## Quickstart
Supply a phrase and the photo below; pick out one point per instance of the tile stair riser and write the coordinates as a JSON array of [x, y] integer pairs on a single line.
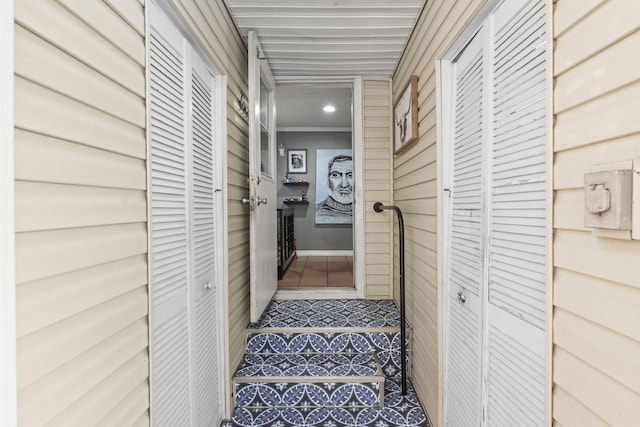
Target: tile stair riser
[[309, 379], [398, 410], [334, 394], [386, 345]]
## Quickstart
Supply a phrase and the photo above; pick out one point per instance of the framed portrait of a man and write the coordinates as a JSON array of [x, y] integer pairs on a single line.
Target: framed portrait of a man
[[334, 187], [297, 161]]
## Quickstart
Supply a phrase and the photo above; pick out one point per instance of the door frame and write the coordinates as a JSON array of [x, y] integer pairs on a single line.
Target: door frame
[[358, 291], [443, 135]]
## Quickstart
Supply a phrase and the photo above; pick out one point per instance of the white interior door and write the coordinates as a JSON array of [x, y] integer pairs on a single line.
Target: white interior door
[[262, 180], [516, 292], [184, 161], [465, 264], [495, 234]]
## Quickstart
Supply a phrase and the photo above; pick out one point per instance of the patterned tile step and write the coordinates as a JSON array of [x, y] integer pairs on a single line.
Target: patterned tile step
[[398, 410], [303, 380], [386, 345], [358, 313], [330, 394]]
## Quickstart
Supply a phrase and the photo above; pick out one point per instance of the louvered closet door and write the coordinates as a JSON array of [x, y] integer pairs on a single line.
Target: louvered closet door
[[465, 237], [516, 307], [206, 366], [170, 381], [185, 355], [495, 225]]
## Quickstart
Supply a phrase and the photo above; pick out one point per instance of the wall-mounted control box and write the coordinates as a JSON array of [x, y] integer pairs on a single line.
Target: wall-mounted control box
[[607, 197]]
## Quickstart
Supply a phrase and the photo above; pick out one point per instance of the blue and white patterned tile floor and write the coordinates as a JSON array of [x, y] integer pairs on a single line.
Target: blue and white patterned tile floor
[[386, 345], [307, 379], [308, 364], [329, 314], [398, 410], [282, 382]]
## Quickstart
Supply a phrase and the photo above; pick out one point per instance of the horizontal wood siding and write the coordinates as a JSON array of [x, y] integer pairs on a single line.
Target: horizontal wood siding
[[213, 29], [596, 374], [80, 207], [415, 188], [378, 187]]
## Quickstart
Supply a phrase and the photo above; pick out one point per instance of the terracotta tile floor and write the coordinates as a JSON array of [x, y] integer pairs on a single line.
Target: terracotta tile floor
[[319, 272]]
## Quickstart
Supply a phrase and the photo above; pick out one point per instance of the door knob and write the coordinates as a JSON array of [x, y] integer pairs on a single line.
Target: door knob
[[247, 201], [262, 201], [462, 297]]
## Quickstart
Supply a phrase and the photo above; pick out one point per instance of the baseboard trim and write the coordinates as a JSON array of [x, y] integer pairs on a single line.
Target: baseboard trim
[[325, 253]]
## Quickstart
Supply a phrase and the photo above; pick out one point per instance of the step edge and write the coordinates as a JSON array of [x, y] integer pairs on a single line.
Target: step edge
[[310, 379], [311, 330]]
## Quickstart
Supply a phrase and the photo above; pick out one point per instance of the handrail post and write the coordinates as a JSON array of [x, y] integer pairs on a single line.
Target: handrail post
[[379, 207]]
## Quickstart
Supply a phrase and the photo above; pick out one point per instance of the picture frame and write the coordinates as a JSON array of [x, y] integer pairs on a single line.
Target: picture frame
[[297, 161], [405, 117]]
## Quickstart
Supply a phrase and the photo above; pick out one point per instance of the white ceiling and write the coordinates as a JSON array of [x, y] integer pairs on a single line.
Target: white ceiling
[[328, 37], [299, 107]]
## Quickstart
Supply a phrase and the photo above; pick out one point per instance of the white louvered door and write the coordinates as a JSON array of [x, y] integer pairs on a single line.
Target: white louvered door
[[495, 224], [170, 380], [206, 368], [186, 373], [465, 263], [515, 377]]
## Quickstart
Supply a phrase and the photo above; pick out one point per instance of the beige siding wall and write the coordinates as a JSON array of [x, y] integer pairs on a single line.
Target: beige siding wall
[[80, 208], [596, 324], [81, 237], [377, 186], [213, 29], [415, 188]]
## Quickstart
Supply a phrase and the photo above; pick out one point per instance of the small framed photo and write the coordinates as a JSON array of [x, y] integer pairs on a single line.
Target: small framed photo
[[405, 117], [297, 161]]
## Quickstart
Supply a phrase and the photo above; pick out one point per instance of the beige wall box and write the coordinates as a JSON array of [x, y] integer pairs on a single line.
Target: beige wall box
[[608, 199]]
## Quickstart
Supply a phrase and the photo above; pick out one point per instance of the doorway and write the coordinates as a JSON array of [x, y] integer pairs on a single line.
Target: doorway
[[324, 254]]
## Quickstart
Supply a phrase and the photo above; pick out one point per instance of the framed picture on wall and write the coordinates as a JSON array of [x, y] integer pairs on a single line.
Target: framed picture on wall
[[405, 117], [297, 161]]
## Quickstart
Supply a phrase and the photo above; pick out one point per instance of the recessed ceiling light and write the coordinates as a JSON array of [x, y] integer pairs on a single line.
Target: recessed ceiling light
[[328, 108]]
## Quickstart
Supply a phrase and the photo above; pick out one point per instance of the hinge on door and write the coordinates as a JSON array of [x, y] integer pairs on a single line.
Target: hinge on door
[[447, 191]]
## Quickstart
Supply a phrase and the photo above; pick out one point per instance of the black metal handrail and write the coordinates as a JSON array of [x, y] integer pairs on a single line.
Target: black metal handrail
[[379, 207]]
